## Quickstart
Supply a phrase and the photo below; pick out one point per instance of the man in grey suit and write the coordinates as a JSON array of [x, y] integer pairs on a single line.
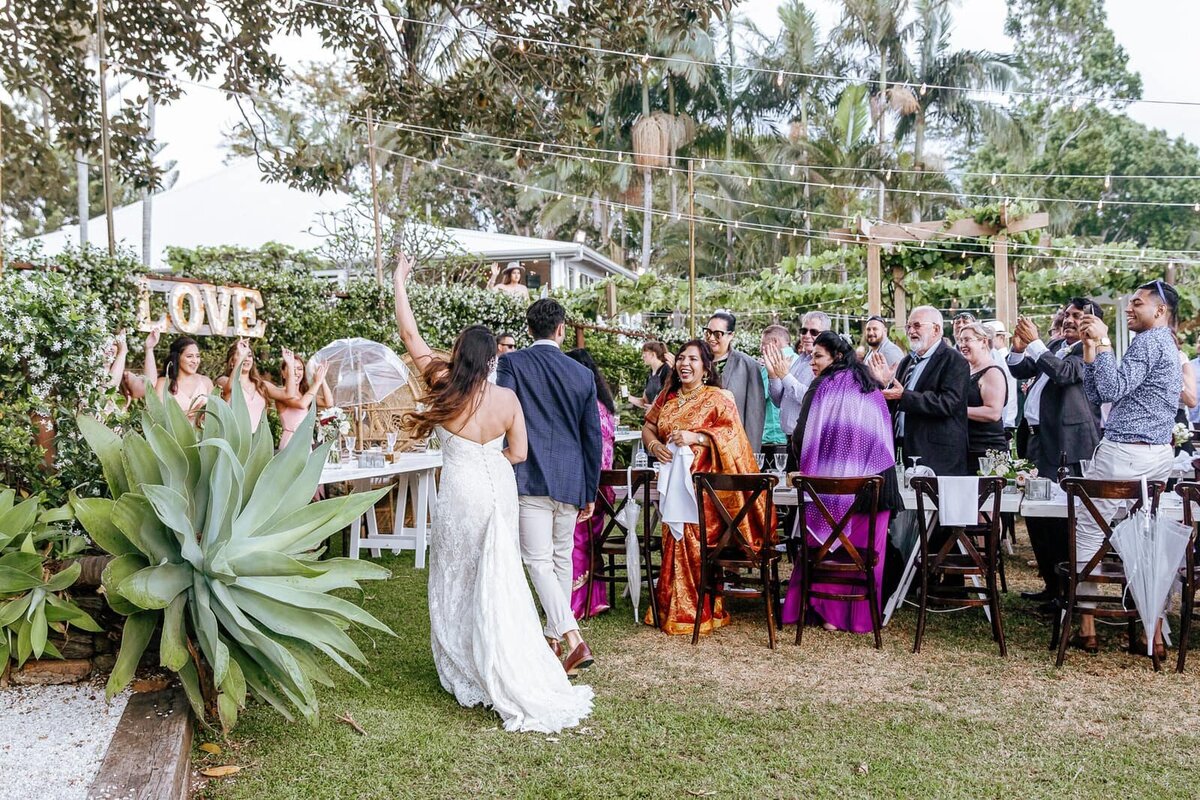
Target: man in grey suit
[[740, 374], [1061, 421], [557, 483]]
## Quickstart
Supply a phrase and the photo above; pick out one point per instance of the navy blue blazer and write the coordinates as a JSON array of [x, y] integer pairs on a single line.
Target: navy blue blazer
[[558, 396]]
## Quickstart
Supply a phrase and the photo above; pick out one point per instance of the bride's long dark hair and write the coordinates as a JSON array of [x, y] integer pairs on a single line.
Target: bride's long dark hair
[[454, 384]]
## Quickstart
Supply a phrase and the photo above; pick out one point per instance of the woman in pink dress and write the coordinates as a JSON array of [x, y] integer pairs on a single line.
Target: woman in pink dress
[[257, 390], [587, 532], [293, 410]]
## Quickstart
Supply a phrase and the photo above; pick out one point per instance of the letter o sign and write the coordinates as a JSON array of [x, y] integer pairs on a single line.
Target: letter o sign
[[191, 320]]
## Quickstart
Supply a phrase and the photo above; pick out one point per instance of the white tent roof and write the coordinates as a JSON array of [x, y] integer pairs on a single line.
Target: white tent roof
[[235, 207]]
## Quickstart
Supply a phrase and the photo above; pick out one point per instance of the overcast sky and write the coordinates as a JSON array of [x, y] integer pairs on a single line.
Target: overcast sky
[[1159, 36]]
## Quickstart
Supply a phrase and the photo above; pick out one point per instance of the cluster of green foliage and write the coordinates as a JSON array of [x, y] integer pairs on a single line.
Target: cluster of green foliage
[[34, 602]]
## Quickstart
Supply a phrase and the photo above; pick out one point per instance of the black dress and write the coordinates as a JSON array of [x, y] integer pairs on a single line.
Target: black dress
[[983, 436]]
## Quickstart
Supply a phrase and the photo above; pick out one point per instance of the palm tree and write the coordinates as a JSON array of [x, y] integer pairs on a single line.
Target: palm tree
[[945, 79], [879, 26]]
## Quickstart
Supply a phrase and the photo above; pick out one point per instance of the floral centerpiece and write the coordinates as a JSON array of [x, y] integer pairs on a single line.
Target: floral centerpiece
[[331, 423], [1181, 434], [1005, 465]]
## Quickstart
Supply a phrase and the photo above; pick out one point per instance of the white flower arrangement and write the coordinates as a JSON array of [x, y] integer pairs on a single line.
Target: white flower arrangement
[[1181, 434], [1006, 465], [331, 423]]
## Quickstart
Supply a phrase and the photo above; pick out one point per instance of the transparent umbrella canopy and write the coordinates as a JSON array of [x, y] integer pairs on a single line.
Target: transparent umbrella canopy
[[361, 371]]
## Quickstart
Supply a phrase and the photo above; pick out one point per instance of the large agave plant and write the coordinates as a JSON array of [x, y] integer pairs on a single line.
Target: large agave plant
[[216, 539]]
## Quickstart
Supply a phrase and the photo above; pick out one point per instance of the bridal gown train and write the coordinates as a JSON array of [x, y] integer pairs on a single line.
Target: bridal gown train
[[486, 633]]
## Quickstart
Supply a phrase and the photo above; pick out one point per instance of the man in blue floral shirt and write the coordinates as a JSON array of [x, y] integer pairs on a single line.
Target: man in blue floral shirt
[[1144, 391]]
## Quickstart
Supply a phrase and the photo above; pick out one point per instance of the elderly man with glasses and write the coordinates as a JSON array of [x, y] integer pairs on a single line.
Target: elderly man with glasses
[[740, 374], [927, 392]]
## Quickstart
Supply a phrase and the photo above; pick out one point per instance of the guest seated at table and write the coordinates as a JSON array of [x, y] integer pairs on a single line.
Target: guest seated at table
[[987, 394], [694, 411], [587, 531], [181, 379], [257, 389], [293, 410], [845, 430]]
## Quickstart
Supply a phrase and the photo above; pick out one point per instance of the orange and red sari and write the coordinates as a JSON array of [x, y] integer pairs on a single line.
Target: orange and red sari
[[713, 412]]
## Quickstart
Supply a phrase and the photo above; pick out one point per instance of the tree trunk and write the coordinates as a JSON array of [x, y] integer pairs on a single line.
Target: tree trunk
[[647, 183], [671, 162], [729, 137], [918, 156], [83, 207], [147, 195], [882, 126]]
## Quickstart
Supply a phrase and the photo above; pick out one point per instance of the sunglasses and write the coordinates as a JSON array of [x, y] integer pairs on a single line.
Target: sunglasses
[[810, 331], [711, 334]]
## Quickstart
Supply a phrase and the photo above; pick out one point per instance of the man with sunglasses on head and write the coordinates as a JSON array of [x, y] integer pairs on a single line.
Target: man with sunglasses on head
[[1144, 389], [740, 374]]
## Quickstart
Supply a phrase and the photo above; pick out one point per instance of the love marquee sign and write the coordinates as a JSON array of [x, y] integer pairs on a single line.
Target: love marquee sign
[[199, 309]]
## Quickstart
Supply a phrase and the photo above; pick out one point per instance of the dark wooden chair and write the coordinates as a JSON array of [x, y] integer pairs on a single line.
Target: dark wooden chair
[[609, 556], [731, 559], [837, 560], [1103, 568], [949, 558], [1190, 574]]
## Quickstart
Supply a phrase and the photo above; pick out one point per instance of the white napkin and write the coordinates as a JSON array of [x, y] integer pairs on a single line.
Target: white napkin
[[676, 494], [958, 500]]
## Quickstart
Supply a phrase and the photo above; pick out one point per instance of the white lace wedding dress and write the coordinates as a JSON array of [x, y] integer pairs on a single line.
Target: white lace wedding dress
[[486, 633]]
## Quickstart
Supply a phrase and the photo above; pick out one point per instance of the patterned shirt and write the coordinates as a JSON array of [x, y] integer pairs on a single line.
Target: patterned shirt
[[1143, 389]]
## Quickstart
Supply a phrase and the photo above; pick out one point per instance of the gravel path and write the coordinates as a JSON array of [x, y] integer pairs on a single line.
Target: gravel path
[[53, 738]]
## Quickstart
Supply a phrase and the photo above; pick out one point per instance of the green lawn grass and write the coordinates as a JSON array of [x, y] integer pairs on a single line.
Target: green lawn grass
[[730, 718]]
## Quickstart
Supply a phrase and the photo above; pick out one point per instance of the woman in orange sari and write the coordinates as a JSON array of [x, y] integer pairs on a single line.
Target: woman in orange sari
[[693, 410]]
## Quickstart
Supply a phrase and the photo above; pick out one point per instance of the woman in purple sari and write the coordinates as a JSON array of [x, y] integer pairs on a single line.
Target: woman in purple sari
[[844, 431], [586, 532]]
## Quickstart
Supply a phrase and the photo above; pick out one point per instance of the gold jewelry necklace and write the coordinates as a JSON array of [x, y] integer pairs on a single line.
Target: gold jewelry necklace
[[684, 394]]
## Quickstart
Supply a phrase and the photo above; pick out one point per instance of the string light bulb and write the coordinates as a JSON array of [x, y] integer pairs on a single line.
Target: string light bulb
[[646, 60], [542, 147], [779, 79], [888, 175], [750, 181], [995, 179], [1107, 182], [521, 44], [792, 170], [924, 89], [703, 163]]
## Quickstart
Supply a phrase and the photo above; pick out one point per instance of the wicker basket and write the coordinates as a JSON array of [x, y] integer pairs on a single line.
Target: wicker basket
[[381, 418]]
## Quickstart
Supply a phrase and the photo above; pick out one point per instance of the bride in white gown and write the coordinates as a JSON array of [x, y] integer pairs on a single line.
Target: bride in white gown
[[486, 633]]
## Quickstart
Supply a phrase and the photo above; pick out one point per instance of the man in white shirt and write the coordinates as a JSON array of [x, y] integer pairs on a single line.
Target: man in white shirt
[[1000, 355]]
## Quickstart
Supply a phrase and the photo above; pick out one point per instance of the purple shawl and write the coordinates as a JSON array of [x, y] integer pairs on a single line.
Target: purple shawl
[[846, 434]]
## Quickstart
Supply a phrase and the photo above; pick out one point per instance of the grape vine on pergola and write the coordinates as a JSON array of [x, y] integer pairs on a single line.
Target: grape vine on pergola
[[877, 236]]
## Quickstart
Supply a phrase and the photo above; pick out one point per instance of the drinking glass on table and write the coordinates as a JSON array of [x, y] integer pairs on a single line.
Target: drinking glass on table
[[761, 459], [780, 460], [392, 436], [350, 440]]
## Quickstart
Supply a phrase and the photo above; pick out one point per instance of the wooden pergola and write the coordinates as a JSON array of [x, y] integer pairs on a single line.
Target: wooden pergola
[[876, 237]]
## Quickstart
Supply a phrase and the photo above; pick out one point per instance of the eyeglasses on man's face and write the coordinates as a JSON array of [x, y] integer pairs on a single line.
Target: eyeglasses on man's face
[[810, 331], [709, 333]]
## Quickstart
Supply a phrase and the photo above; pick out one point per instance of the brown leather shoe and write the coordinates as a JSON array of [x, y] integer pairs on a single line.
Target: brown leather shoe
[[579, 659], [555, 647], [1088, 644]]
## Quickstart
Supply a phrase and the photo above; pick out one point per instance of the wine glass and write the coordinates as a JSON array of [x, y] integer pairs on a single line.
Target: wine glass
[[392, 436], [350, 440], [780, 460], [761, 459], [986, 463]]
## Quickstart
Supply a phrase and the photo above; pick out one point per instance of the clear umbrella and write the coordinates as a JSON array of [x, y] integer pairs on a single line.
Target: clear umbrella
[[361, 371], [1152, 548]]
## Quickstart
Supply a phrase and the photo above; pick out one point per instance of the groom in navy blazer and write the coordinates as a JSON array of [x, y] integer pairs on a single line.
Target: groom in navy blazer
[[557, 483]]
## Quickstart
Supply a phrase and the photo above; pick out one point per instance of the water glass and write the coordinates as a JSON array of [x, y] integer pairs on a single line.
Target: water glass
[[780, 462], [392, 436], [761, 459], [350, 440]]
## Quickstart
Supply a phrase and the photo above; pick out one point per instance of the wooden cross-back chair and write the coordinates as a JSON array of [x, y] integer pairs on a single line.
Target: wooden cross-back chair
[[1189, 491], [819, 563], [1104, 567], [951, 558], [609, 559], [732, 555]]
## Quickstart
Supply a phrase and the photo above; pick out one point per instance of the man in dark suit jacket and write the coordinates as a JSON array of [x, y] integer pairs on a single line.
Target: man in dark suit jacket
[[557, 483], [927, 393], [1061, 421]]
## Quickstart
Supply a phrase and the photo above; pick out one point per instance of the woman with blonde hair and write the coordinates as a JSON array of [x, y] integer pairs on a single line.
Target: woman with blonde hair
[[255, 388]]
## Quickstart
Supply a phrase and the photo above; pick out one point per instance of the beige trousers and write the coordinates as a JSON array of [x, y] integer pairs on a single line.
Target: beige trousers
[[547, 541]]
